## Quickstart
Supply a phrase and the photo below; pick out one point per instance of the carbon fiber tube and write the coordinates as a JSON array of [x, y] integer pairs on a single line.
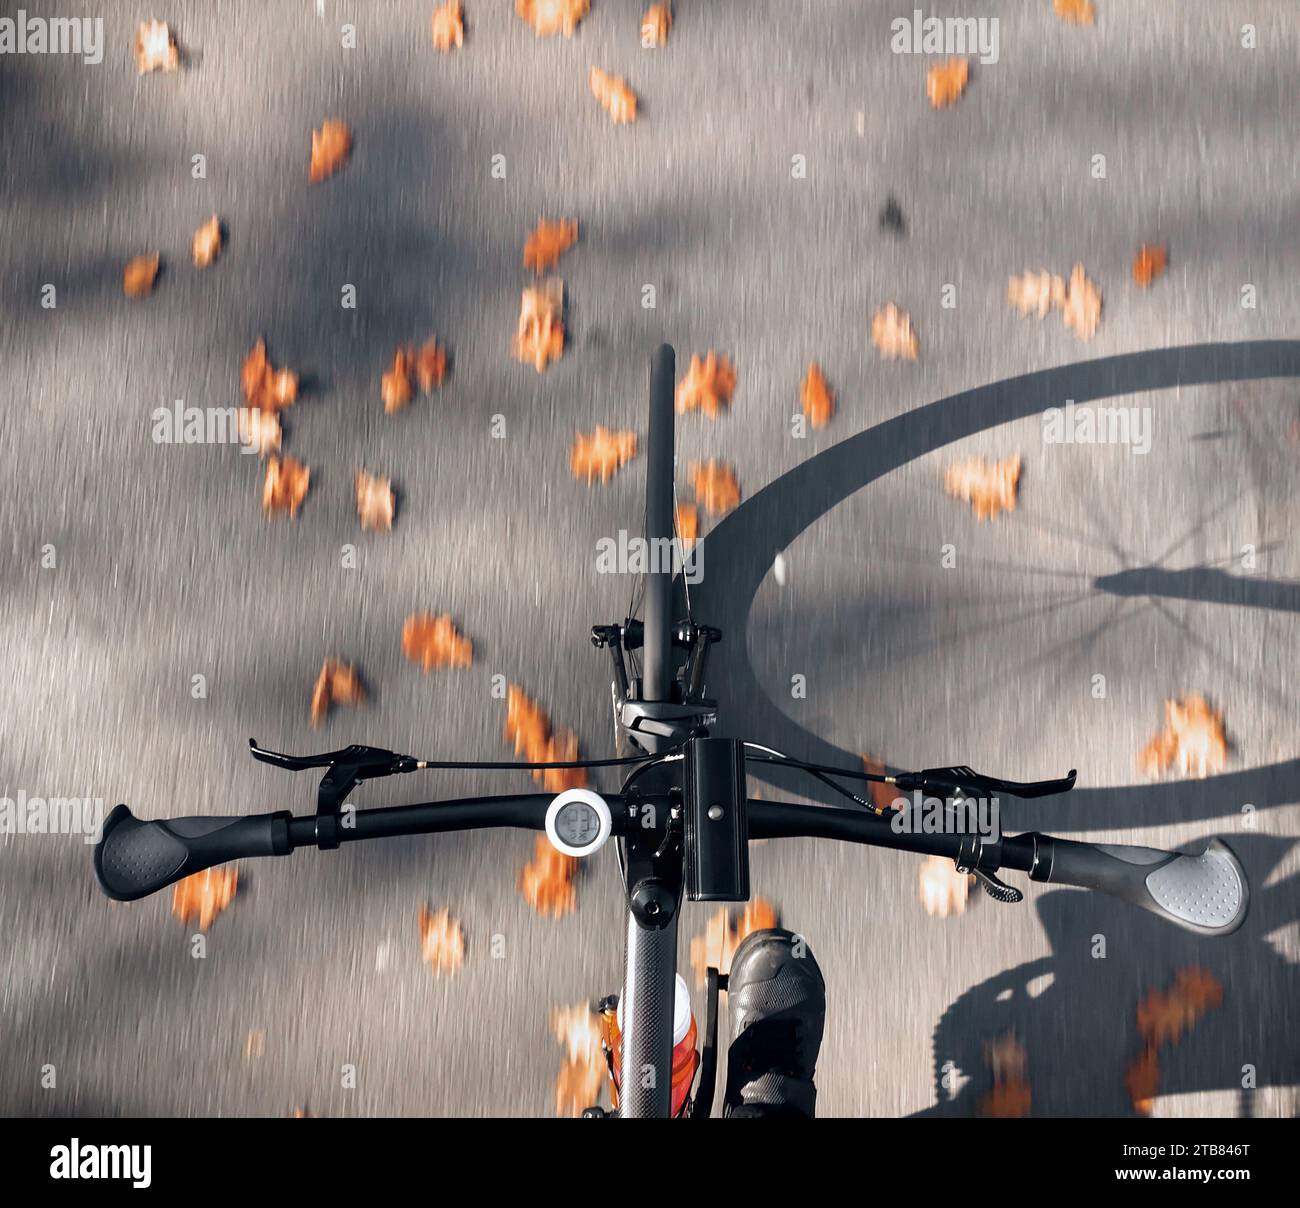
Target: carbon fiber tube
[[649, 985], [659, 525]]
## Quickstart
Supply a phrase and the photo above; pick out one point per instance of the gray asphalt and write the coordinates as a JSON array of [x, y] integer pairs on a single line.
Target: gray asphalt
[[167, 569]]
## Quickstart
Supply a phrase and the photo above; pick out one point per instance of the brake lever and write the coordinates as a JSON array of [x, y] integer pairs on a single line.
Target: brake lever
[[374, 760], [345, 769], [931, 779]]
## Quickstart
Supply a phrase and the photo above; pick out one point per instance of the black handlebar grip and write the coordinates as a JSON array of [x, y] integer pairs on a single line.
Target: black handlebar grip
[[1206, 892], [134, 858]]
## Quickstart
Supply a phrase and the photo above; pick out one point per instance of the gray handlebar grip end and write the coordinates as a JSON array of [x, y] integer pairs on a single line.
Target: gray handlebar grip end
[[1207, 893]]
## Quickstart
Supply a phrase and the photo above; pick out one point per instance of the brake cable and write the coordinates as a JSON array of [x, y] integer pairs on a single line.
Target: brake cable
[[814, 772]]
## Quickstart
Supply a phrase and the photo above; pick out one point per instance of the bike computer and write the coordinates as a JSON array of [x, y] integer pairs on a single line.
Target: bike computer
[[578, 822]]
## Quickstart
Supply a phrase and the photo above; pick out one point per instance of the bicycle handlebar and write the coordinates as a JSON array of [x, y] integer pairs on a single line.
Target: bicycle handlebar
[[1205, 892]]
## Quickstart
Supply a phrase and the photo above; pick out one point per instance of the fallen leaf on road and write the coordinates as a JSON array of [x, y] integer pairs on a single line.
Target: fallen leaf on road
[[448, 26], [715, 486], [442, 942], [329, 150], [1081, 309], [259, 430], [1149, 263], [552, 16], [584, 1070], [527, 725], [1010, 1097], [1193, 736], [892, 334], [1075, 12], [718, 944], [155, 48], [204, 895], [285, 486], [600, 454], [688, 525], [545, 245], [1036, 293], [815, 398], [375, 501], [337, 684], [882, 795], [655, 24], [943, 889], [138, 279], [561, 747], [617, 99], [546, 883], [945, 82], [255, 1044], [708, 384], [1163, 1018], [435, 642], [539, 338], [207, 243], [430, 365], [265, 387], [1142, 1080], [989, 487], [395, 385]]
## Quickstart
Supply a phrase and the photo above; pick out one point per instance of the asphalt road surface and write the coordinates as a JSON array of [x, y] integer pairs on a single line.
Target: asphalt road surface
[[166, 569]]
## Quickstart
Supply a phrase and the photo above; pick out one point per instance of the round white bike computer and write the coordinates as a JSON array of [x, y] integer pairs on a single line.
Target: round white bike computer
[[578, 822]]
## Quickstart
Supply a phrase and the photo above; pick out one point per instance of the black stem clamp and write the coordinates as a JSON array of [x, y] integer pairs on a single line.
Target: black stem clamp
[[345, 769]]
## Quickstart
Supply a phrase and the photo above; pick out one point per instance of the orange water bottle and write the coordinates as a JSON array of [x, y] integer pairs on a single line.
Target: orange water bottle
[[686, 1058]]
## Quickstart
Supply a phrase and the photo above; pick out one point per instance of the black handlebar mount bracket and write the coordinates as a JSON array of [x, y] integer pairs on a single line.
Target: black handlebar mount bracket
[[344, 770]]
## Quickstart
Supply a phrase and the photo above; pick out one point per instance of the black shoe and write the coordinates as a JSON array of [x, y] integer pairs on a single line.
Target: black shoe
[[776, 1000]]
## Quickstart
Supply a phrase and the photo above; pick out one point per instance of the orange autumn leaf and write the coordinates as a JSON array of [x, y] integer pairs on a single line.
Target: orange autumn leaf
[[139, 276], [584, 1070], [549, 17], [882, 795], [720, 940], [204, 895], [708, 384], [1081, 308], [155, 48], [601, 454], [1074, 12], [539, 338], [527, 725], [395, 385], [1199, 989], [655, 24], [329, 149], [1193, 737], [687, 524], [430, 365], [1036, 293], [435, 642], [815, 397], [615, 97], [893, 335], [546, 883], [561, 747], [375, 501], [943, 890], [545, 245], [1010, 1098], [259, 430], [1149, 263], [442, 942], [1142, 1080], [337, 684], [265, 387], [945, 82], [285, 486], [207, 243], [715, 486], [989, 487], [448, 26]]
